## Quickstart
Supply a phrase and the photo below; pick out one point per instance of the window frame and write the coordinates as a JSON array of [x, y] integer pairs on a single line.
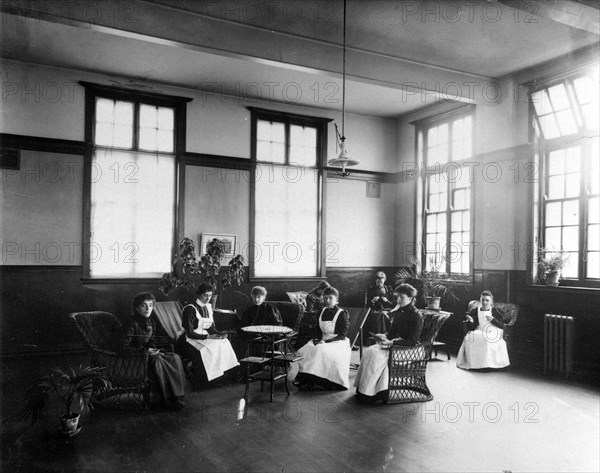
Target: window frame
[[422, 128], [320, 123], [543, 148], [179, 106]]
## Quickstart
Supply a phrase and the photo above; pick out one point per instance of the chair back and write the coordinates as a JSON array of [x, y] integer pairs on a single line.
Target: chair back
[[291, 313], [432, 323], [299, 297], [509, 312], [168, 314], [99, 330], [358, 316]]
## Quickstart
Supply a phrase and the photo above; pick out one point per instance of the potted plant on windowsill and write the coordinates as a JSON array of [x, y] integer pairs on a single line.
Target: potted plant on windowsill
[[189, 270], [72, 387], [550, 265], [432, 284]]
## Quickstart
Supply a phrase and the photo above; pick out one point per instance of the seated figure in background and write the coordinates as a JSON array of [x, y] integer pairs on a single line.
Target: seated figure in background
[[372, 378], [166, 368], [259, 313], [326, 361], [210, 351], [314, 299], [484, 345], [379, 296]]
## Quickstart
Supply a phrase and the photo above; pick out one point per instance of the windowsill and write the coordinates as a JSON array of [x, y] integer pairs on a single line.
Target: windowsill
[[573, 289], [313, 279]]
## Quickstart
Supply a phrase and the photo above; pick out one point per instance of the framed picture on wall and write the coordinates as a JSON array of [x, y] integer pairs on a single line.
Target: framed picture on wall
[[228, 240]]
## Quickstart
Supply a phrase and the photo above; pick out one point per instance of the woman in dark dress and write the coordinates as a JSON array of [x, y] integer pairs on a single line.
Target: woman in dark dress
[[372, 377], [326, 360], [314, 299], [210, 351], [165, 368]]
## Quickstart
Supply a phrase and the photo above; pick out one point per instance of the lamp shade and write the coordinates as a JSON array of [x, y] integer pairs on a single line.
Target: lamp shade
[[343, 159]]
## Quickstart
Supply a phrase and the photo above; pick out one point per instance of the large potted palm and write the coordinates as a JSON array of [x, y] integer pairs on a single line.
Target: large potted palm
[[189, 270], [432, 285], [74, 387]]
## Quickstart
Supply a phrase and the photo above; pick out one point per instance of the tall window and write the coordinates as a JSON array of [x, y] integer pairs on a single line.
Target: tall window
[[132, 183], [287, 195], [566, 115], [443, 145]]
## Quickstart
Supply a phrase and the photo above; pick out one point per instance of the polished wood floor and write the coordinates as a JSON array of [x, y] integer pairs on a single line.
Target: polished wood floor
[[495, 421]]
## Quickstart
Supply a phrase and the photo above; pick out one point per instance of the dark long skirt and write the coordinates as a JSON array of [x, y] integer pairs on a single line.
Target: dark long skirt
[[167, 369]]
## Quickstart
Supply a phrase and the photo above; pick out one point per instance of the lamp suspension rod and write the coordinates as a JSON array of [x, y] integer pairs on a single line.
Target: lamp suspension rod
[[344, 71]]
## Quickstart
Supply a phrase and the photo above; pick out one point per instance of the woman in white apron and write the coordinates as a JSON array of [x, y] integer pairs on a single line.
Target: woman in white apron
[[372, 378], [210, 351], [484, 345], [326, 360]]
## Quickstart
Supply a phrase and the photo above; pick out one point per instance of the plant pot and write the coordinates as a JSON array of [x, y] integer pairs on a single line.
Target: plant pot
[[70, 424], [433, 302], [552, 278]]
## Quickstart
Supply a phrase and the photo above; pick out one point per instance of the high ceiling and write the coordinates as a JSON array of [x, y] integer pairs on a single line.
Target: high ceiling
[[400, 55]]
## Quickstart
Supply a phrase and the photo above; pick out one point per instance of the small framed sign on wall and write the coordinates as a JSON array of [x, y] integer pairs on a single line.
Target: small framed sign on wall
[[374, 189], [228, 241], [10, 158]]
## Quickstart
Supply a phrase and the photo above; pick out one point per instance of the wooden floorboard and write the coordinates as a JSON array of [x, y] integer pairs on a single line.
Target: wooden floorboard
[[495, 421]]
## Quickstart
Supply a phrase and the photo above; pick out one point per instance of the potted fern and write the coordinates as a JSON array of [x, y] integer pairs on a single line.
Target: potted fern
[[73, 387], [551, 264], [189, 270], [431, 284]]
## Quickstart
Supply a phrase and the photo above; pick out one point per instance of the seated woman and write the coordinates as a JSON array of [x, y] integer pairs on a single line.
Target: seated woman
[[484, 345], [209, 350], [259, 313], [314, 299], [326, 360], [165, 368], [379, 296], [372, 378]]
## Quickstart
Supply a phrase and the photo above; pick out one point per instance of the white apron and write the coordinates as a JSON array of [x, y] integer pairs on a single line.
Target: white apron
[[330, 361], [373, 375], [217, 354], [484, 347]]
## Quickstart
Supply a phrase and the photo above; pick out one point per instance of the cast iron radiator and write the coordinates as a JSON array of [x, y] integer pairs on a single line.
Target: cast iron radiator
[[558, 344]]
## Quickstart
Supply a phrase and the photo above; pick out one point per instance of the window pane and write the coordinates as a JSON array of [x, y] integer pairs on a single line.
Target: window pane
[[549, 126], [570, 214], [552, 238], [431, 220], [303, 146], [586, 90], [590, 115], [286, 223], [556, 187], [593, 265], [270, 145], [148, 116], [541, 103], [570, 240], [461, 199], [441, 223], [594, 173], [571, 267], [559, 98], [593, 211], [156, 129], [132, 214], [114, 123], [553, 214], [166, 118], [593, 238], [573, 184], [566, 122], [556, 162], [457, 218]]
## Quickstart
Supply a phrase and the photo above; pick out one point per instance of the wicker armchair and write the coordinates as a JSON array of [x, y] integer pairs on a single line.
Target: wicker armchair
[[408, 365], [128, 372]]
